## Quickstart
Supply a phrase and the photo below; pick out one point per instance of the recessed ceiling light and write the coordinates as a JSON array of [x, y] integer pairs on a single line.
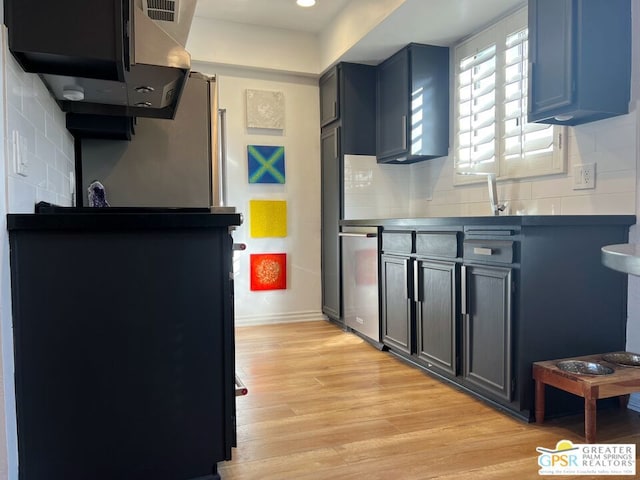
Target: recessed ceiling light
[[306, 3]]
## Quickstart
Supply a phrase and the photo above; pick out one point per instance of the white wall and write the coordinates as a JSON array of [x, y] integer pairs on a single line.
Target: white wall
[[353, 23], [237, 44], [28, 108], [301, 300]]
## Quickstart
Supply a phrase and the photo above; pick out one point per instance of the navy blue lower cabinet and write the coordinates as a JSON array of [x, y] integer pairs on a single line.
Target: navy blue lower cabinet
[[475, 301], [487, 322], [420, 291], [436, 288], [397, 315]]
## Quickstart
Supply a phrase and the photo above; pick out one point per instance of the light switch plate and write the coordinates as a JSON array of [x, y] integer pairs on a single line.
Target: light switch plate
[[20, 164]]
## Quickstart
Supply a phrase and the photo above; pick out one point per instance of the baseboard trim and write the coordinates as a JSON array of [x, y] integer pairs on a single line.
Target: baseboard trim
[[272, 318], [634, 402]]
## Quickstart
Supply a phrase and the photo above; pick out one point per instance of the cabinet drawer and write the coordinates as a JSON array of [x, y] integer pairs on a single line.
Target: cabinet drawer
[[441, 244], [499, 251], [400, 242]]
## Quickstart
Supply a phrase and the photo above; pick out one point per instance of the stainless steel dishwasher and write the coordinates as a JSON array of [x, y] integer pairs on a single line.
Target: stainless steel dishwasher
[[360, 281]]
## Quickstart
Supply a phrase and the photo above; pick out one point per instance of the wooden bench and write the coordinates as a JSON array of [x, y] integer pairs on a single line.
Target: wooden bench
[[623, 381]]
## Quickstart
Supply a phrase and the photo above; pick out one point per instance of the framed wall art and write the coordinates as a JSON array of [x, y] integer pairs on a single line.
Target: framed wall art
[[265, 109], [268, 271], [266, 164], [268, 218]]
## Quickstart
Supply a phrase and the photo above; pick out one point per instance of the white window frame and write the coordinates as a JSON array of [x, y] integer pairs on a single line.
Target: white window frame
[[554, 162]]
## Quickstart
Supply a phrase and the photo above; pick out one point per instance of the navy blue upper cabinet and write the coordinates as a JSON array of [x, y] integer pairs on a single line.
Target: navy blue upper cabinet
[[412, 117], [580, 60], [329, 97], [348, 96]]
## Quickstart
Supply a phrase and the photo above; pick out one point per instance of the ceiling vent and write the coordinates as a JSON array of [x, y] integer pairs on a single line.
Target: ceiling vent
[[162, 10]]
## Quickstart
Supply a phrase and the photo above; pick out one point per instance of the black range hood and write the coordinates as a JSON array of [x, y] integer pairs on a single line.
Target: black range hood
[[99, 58]]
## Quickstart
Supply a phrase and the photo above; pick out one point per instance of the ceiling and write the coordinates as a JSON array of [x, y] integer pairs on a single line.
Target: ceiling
[[437, 22], [273, 13]]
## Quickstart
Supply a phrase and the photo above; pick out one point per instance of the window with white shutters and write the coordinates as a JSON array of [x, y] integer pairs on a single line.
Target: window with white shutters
[[491, 130], [477, 109]]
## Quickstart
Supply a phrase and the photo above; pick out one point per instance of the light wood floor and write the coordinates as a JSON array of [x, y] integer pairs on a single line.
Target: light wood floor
[[324, 404]]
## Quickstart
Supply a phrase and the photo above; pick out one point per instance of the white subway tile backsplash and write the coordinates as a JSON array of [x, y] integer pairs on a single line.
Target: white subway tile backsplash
[[615, 182], [514, 191], [32, 110], [427, 188], [556, 186], [14, 90], [22, 196], [37, 172], [541, 206], [55, 180], [582, 141], [608, 204], [43, 195], [623, 158], [17, 121], [45, 148], [460, 195], [615, 138], [52, 130], [47, 145], [63, 163]]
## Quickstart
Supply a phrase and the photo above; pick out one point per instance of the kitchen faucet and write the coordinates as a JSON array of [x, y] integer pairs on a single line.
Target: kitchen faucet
[[496, 207]]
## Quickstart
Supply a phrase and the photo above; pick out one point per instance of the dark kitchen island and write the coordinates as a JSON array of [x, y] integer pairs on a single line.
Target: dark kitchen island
[[124, 343]]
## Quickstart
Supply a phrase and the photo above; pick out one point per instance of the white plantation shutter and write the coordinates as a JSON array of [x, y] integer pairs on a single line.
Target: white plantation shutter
[[491, 130], [515, 95], [527, 148], [477, 109]]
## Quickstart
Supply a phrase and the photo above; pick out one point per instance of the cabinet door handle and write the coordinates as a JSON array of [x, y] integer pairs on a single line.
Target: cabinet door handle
[[482, 251], [358, 235], [416, 279], [335, 109], [463, 290], [407, 293], [241, 389], [404, 132], [530, 88]]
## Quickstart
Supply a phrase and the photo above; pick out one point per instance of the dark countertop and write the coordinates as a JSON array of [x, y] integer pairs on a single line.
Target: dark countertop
[[133, 219], [518, 220]]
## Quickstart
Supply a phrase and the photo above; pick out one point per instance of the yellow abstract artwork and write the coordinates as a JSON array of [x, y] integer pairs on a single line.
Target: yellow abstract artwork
[[268, 218]]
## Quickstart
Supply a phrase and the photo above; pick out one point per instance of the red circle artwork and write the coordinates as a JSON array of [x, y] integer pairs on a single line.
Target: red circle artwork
[[268, 271]]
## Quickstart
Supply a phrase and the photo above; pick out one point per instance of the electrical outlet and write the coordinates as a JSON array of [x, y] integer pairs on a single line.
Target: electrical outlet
[[584, 176]]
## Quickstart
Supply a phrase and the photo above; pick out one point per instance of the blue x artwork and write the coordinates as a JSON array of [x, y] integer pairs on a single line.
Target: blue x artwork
[[266, 164]]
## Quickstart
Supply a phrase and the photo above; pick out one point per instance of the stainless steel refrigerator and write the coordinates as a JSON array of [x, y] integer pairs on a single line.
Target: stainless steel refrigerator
[[167, 163]]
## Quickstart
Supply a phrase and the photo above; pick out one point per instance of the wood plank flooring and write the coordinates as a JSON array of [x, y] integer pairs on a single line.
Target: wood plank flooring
[[324, 404]]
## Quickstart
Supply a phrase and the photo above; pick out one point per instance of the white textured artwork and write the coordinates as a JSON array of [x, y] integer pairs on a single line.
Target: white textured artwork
[[265, 109]]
